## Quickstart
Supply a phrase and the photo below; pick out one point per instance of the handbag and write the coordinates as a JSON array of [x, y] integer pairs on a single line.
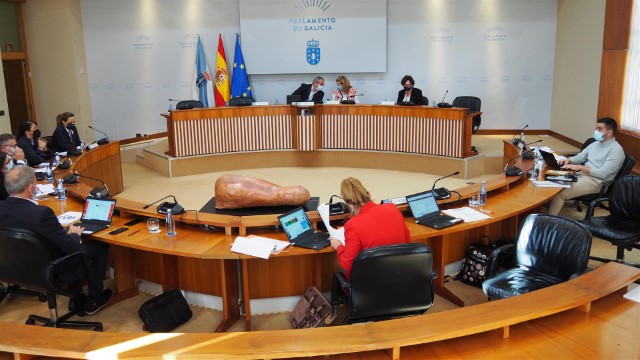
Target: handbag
[[474, 268], [312, 310], [165, 312]]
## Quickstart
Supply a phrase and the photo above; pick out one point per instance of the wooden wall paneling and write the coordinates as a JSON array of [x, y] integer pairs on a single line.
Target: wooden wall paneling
[[147, 265], [612, 75], [617, 24]]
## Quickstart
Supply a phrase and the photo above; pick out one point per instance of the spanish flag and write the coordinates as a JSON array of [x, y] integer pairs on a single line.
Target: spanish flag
[[223, 90]]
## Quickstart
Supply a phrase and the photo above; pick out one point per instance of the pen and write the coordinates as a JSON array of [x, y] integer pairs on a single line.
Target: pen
[[486, 211], [133, 232]]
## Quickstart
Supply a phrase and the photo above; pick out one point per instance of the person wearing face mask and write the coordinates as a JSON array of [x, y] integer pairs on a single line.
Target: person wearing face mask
[[20, 211], [65, 137], [344, 90], [311, 92], [409, 94], [9, 146], [370, 226], [34, 146], [7, 164], [598, 162]]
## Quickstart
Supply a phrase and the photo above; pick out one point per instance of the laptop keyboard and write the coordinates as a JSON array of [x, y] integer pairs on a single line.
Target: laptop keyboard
[[91, 228], [315, 241]]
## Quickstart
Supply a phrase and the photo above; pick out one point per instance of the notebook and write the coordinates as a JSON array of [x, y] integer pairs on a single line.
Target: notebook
[[550, 160], [297, 226], [97, 214], [426, 212]]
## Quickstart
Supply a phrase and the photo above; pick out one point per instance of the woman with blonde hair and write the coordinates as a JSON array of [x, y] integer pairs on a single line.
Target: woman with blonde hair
[[372, 225], [345, 91]]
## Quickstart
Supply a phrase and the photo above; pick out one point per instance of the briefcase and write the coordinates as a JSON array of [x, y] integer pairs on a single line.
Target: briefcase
[[165, 312], [313, 310]]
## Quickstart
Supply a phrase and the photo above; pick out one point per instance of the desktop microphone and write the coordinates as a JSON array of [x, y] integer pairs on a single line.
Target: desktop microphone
[[338, 208], [443, 104], [527, 154], [442, 193], [350, 102], [104, 140], [514, 170], [98, 192], [162, 208], [515, 140]]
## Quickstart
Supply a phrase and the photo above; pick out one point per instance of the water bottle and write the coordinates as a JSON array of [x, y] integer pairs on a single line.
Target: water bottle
[[482, 199], [170, 224], [62, 192], [81, 146], [433, 102], [170, 107], [49, 175], [56, 160]]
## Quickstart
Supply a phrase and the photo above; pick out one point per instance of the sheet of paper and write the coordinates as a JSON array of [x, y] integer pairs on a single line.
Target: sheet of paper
[[323, 209], [42, 170], [467, 214], [634, 293], [258, 246], [550, 184], [69, 217], [44, 189]]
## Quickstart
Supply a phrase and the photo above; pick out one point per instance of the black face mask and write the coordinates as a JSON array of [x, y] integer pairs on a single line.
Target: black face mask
[[37, 134], [407, 88], [71, 127]]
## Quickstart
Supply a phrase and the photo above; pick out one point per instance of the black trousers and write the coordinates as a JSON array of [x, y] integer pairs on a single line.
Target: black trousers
[[95, 254]]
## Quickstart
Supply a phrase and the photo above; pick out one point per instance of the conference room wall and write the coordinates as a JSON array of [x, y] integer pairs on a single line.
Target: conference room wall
[[54, 35], [5, 123], [576, 75], [55, 9]]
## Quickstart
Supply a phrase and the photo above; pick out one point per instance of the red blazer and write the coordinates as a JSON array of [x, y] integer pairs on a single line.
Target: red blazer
[[375, 225]]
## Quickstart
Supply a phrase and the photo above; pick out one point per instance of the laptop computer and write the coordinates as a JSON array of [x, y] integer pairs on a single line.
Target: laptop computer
[[96, 215], [293, 98], [426, 212], [299, 231], [550, 160]]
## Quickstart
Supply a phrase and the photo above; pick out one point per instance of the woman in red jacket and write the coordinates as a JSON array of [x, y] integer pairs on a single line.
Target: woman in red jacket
[[371, 225]]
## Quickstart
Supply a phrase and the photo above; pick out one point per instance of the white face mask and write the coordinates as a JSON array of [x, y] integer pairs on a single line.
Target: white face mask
[[320, 87]]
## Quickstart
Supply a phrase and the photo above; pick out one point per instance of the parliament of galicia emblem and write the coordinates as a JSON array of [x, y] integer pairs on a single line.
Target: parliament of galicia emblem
[[313, 52]]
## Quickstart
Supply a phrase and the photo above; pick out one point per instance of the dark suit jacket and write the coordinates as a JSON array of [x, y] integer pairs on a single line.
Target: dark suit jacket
[[304, 91], [41, 220], [3, 189], [32, 154], [61, 141], [416, 97]]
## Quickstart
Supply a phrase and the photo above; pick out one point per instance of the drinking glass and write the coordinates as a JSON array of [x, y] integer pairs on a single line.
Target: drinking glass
[[153, 225], [473, 200]]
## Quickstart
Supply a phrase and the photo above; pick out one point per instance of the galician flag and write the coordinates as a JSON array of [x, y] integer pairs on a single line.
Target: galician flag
[[222, 93], [202, 84], [240, 86]]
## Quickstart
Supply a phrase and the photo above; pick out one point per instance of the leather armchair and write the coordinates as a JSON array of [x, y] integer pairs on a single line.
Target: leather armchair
[[387, 282], [549, 250], [25, 261], [626, 168], [622, 226]]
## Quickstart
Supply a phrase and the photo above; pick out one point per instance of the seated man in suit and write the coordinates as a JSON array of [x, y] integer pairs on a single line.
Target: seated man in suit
[[9, 146], [20, 211], [65, 136], [311, 92]]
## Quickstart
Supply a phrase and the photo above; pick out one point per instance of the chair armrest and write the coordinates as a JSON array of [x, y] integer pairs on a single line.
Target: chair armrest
[[60, 260], [346, 284], [496, 258], [434, 275], [605, 188], [592, 206]]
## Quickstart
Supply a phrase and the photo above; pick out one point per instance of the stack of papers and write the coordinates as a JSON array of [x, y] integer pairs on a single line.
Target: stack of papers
[[258, 246], [551, 184], [467, 214], [44, 190], [69, 217], [333, 232]]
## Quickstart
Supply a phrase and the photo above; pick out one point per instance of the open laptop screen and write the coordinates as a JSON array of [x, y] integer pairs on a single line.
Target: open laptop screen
[[98, 209], [422, 204], [295, 223]]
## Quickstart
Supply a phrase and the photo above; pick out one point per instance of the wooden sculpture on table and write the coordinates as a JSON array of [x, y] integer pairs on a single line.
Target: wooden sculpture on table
[[235, 192]]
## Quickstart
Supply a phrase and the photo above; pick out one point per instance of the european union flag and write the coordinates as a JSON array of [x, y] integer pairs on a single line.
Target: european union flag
[[240, 86]]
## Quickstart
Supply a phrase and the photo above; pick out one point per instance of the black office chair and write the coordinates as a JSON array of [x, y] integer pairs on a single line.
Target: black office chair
[[12, 289], [549, 250], [189, 104], [473, 104], [25, 260], [241, 101], [425, 100], [386, 282], [605, 189], [622, 226]]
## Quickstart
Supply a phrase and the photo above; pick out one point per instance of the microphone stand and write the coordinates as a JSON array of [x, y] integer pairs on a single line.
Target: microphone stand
[[103, 140], [97, 191], [162, 208], [442, 193]]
